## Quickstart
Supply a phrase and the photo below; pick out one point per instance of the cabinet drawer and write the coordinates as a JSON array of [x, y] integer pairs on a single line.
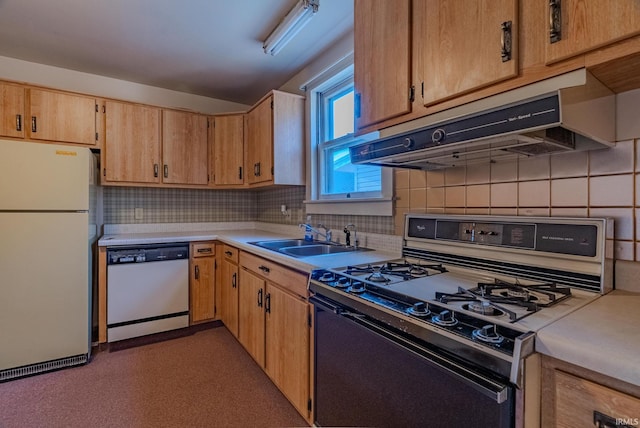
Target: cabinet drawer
[[230, 253], [288, 279], [202, 249], [578, 399]]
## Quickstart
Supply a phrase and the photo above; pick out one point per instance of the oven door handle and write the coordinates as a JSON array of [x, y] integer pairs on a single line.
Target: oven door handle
[[488, 387]]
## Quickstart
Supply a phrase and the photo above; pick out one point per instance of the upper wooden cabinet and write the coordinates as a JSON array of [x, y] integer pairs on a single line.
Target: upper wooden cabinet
[[382, 60], [274, 140], [184, 148], [11, 110], [62, 117], [579, 26], [465, 45], [226, 150], [132, 143]]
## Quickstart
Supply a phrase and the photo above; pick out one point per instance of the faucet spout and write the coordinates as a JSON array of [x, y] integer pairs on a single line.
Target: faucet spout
[[347, 230]]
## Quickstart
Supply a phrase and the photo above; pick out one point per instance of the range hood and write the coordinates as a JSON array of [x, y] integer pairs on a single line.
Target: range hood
[[568, 113]]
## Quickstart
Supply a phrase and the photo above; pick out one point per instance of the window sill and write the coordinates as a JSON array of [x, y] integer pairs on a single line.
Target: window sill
[[371, 207]]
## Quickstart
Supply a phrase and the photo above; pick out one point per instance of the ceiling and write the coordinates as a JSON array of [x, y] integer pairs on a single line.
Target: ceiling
[[206, 47]]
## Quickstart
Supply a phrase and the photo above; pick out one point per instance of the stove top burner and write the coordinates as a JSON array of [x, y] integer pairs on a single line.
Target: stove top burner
[[484, 308], [543, 294], [404, 270]]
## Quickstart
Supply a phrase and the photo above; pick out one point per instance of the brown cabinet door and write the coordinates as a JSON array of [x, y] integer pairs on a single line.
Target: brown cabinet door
[[382, 60], [184, 148], [287, 341], [251, 302], [62, 117], [259, 143], [11, 111], [229, 296], [132, 143], [462, 45], [227, 139], [202, 295], [589, 24]]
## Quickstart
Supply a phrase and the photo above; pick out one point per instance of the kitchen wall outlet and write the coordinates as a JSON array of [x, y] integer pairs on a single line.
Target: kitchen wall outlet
[[137, 213]]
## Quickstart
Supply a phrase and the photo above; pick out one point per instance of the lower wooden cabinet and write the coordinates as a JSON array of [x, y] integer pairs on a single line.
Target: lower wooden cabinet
[[229, 288], [202, 282], [575, 397], [274, 326]]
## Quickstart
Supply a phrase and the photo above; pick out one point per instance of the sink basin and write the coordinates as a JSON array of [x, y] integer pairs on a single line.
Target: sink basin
[[302, 248]]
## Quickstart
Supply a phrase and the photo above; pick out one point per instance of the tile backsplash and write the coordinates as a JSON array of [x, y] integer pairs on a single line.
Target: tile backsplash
[[599, 183]]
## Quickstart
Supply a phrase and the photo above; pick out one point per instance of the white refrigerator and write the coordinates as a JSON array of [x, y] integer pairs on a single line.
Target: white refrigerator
[[45, 245]]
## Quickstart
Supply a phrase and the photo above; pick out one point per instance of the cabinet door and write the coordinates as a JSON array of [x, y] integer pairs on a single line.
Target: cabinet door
[[462, 45], [382, 60], [62, 117], [259, 142], [184, 148], [227, 154], [585, 25], [251, 314], [11, 110], [287, 339], [229, 296], [132, 143], [202, 295]]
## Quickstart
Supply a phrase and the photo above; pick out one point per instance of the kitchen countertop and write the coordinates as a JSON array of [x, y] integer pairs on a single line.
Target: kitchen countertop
[[603, 337], [240, 238]]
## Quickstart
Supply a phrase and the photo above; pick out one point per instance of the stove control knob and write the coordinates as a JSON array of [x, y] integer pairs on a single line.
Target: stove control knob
[[343, 280], [419, 307], [357, 286], [446, 316], [489, 330]]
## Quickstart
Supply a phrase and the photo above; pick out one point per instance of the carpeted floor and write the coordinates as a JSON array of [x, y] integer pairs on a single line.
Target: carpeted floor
[[202, 380]]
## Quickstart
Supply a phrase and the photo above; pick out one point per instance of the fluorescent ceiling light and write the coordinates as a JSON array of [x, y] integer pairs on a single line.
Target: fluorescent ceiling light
[[297, 18]]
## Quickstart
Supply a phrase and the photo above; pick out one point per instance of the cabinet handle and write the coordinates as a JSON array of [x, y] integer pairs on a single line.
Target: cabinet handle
[[166, 171], [240, 172], [259, 172], [233, 280], [34, 124], [260, 298], [155, 170], [228, 253], [264, 269], [357, 105], [197, 272], [555, 21], [505, 41], [204, 250], [267, 307], [600, 420], [18, 122]]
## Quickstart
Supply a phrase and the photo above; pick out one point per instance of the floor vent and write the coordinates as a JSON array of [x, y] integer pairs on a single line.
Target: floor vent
[[48, 366]]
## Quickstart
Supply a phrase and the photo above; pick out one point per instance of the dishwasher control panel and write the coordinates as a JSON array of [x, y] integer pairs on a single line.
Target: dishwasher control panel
[[143, 254]]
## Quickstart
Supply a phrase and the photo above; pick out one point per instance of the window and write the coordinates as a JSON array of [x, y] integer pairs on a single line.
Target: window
[[334, 178]]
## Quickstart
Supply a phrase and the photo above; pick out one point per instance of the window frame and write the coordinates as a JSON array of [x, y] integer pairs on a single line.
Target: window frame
[[358, 203]]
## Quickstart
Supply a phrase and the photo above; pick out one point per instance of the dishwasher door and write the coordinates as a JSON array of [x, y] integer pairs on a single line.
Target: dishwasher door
[[147, 297]]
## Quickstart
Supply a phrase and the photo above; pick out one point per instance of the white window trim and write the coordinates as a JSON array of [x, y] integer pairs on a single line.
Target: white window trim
[[382, 206]]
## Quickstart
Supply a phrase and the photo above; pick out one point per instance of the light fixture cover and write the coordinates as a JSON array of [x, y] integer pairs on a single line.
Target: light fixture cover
[[290, 25]]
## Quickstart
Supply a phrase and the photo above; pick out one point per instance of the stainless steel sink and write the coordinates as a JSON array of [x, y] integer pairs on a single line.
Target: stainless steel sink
[[302, 248]]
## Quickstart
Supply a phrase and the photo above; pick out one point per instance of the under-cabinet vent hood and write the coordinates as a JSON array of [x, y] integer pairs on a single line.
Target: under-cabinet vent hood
[[568, 113]]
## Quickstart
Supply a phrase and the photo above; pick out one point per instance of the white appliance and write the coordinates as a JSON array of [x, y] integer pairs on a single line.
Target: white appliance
[[45, 245]]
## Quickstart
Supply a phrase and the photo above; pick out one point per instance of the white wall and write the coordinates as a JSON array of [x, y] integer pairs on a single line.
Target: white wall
[[75, 81]]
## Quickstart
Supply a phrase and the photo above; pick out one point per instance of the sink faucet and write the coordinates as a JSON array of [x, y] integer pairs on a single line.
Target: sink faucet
[[347, 231], [326, 234]]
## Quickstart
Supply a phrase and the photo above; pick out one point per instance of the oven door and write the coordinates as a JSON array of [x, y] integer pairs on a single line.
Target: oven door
[[367, 374]]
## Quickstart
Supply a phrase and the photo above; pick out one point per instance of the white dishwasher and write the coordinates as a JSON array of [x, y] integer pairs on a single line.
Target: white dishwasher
[[147, 290]]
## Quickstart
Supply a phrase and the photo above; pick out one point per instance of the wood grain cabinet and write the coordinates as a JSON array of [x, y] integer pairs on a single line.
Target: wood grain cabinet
[[579, 26], [62, 117], [275, 326], [226, 150], [132, 143], [573, 397], [465, 45], [228, 289], [202, 265], [12, 112], [274, 140], [382, 60], [184, 148]]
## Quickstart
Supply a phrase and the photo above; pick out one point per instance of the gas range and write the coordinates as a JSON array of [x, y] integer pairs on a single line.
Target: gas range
[[478, 287]]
